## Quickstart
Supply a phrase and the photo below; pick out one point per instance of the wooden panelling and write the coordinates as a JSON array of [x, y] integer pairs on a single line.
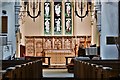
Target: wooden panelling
[[22, 51], [4, 24]]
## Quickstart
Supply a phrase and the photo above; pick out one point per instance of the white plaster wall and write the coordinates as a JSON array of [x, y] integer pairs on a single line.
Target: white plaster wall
[[109, 27], [11, 23], [22, 31], [33, 28], [83, 27], [36, 28], [94, 33]]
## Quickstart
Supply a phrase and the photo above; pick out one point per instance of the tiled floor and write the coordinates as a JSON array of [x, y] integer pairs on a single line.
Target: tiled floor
[[56, 73]]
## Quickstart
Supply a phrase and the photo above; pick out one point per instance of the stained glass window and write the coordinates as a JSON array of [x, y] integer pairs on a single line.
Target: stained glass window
[[68, 18], [47, 18], [57, 18]]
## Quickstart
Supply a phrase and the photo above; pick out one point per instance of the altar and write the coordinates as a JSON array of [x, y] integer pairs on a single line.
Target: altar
[[58, 55]]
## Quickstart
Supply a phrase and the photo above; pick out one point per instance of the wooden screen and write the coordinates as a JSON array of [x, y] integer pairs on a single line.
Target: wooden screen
[[4, 24], [35, 45]]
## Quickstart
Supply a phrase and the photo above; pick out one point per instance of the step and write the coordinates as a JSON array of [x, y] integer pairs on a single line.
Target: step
[[57, 78]]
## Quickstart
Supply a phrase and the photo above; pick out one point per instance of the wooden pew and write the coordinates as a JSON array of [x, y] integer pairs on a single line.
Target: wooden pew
[[110, 63], [96, 69], [18, 72], [26, 71], [114, 64]]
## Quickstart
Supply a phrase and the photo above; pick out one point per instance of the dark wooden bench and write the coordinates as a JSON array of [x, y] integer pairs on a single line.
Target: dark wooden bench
[[97, 69], [70, 66], [12, 63], [22, 70]]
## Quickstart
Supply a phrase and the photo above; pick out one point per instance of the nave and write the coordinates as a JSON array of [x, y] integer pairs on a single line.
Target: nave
[[88, 47]]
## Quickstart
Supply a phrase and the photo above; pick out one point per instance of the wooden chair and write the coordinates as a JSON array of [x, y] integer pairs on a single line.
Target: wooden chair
[[70, 66]]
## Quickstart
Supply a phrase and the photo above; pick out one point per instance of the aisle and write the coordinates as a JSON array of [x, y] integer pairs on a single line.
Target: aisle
[[57, 73]]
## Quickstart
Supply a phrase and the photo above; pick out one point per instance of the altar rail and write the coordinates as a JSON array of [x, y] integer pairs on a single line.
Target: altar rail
[[35, 45], [97, 69], [38, 58]]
